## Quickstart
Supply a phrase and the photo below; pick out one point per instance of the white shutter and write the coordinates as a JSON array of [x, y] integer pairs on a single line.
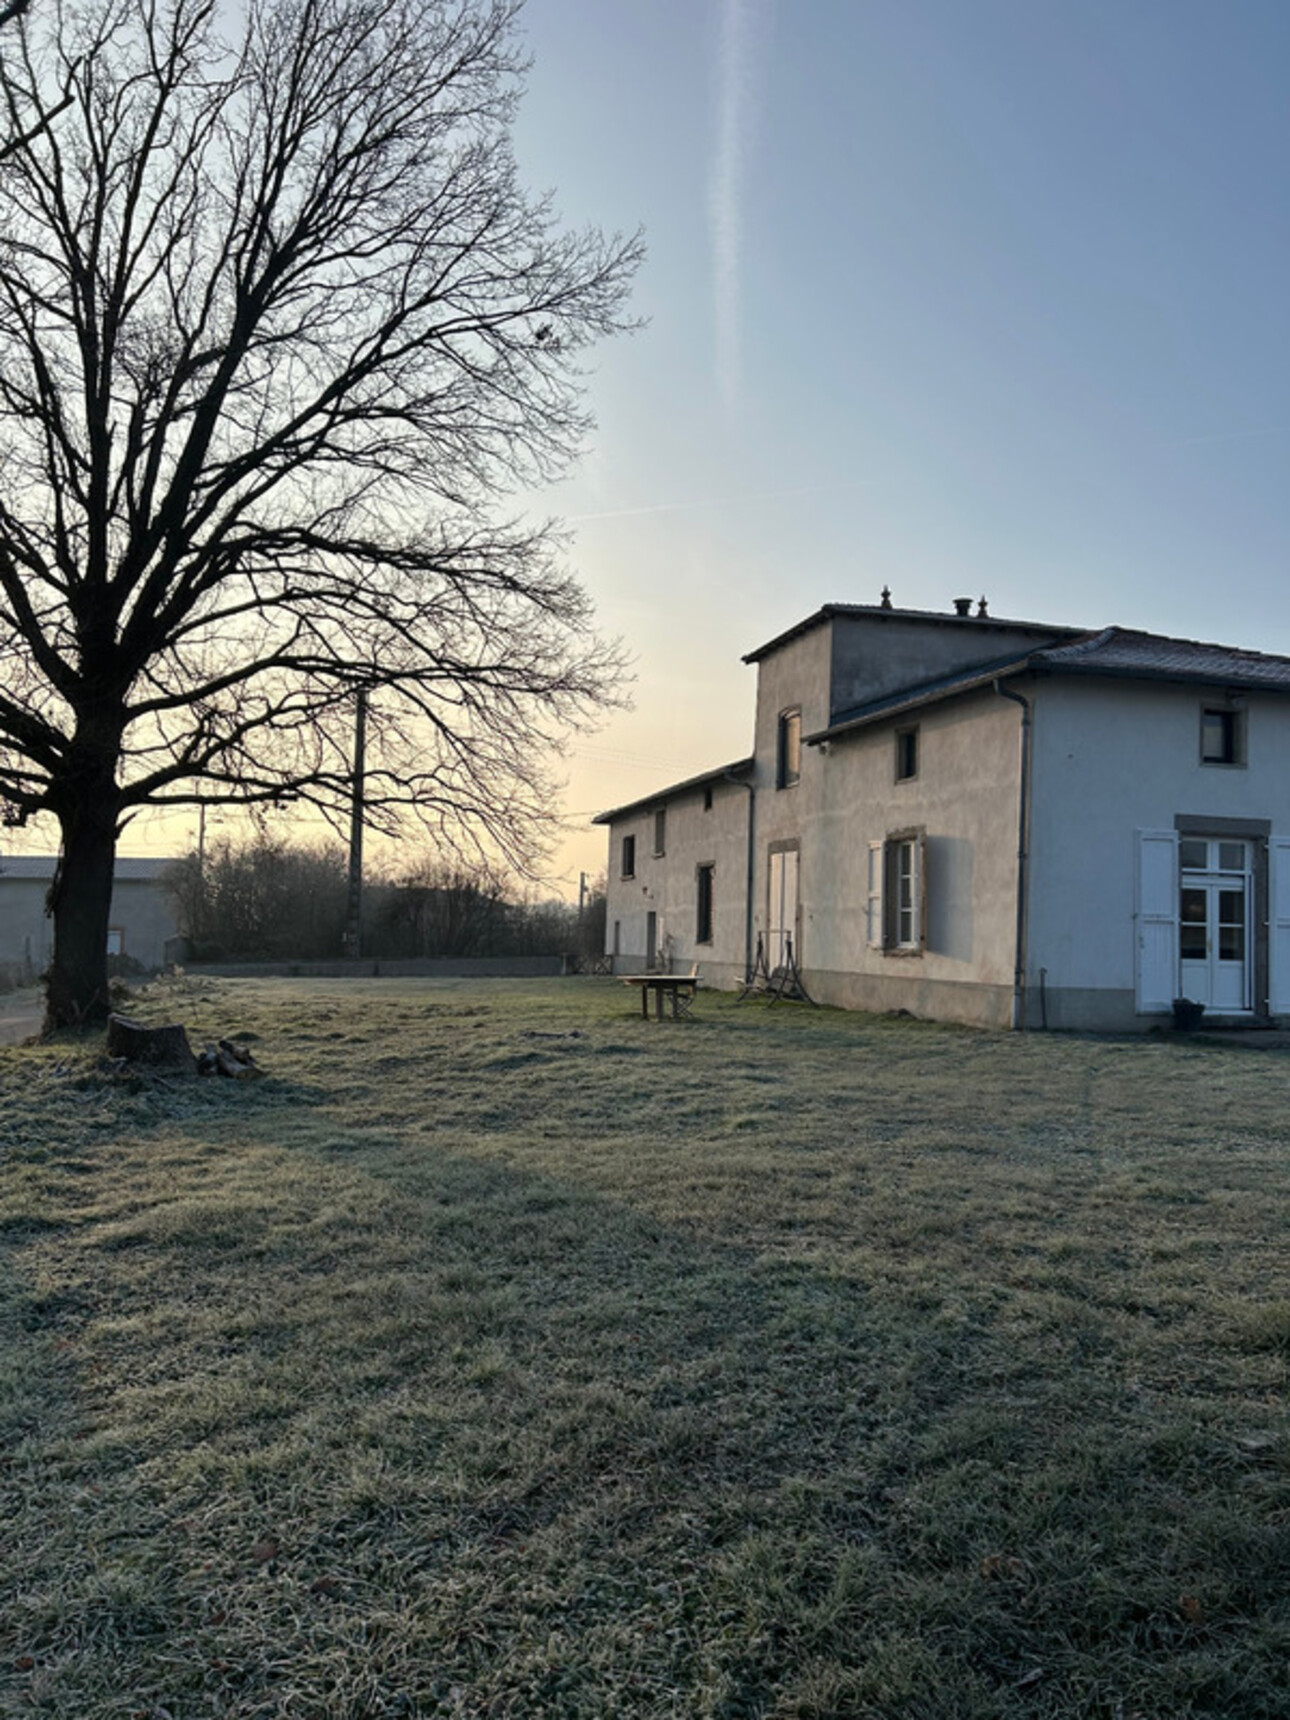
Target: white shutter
[[1279, 926], [1156, 926], [873, 922], [775, 913], [792, 870]]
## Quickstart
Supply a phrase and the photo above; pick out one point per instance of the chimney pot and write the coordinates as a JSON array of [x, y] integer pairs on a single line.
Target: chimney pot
[[963, 606], [981, 609]]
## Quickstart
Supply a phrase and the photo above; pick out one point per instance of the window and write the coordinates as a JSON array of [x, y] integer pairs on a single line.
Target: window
[[1222, 736], [896, 914], [789, 763], [707, 798], [906, 754], [660, 831], [906, 905], [629, 856], [703, 905]]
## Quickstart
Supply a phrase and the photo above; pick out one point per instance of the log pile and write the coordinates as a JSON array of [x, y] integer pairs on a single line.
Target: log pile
[[228, 1058]]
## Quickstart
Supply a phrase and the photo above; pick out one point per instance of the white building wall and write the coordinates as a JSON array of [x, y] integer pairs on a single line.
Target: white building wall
[[667, 884], [142, 917], [794, 677], [965, 799], [1112, 758]]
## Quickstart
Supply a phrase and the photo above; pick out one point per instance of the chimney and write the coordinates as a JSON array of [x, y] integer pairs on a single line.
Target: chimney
[[886, 597], [981, 610], [963, 606]]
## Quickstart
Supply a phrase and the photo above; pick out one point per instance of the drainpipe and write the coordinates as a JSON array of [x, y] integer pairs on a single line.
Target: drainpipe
[[748, 882], [1023, 831]]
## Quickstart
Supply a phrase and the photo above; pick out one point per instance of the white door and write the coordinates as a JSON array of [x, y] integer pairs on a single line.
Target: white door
[[1214, 898], [782, 917]]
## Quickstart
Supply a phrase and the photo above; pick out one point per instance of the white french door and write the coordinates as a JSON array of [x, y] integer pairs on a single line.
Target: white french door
[[781, 920], [1214, 929]]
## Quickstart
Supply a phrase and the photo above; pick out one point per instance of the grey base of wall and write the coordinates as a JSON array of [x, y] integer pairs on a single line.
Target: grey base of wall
[[929, 999], [1088, 1009], [1076, 1009]]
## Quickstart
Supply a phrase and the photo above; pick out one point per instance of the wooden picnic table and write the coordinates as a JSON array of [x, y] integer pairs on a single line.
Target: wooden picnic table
[[679, 987]]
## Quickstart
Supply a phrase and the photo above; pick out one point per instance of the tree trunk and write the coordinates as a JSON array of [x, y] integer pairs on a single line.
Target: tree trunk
[[80, 900]]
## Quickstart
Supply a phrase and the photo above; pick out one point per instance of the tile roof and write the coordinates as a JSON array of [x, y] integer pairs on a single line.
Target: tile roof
[[650, 801], [1122, 651], [1116, 651]]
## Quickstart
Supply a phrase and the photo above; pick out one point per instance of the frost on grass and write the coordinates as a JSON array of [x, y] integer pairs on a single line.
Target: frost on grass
[[503, 1354]]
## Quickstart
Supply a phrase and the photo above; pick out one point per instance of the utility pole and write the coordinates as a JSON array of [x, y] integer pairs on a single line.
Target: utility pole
[[353, 937]]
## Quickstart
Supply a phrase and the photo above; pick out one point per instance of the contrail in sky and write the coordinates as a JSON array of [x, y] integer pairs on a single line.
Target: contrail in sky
[[738, 27]]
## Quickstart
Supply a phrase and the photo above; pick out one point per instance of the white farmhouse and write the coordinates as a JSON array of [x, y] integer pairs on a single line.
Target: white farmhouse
[[985, 821]]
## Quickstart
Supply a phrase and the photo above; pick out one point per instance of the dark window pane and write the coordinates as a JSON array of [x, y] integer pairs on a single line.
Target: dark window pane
[[906, 754], [1191, 943], [1218, 737], [703, 916], [1231, 943], [790, 748], [1193, 906], [1193, 853], [1231, 856], [1231, 907]]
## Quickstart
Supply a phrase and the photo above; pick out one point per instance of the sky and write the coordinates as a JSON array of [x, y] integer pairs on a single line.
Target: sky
[[960, 299], [984, 299]]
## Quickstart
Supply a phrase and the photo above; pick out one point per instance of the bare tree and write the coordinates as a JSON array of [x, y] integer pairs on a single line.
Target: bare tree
[[279, 330]]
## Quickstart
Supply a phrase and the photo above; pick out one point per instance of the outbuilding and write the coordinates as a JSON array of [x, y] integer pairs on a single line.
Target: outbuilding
[[142, 921]]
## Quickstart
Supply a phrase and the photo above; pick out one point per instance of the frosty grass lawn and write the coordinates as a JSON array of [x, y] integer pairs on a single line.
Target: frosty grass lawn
[[501, 1354]]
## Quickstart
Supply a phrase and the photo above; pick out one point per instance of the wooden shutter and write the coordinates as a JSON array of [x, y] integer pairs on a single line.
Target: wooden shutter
[[1156, 919]]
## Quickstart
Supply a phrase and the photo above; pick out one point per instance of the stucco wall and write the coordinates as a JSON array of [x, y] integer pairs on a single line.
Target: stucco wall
[[667, 884], [881, 653], [966, 798], [141, 909], [1111, 758]]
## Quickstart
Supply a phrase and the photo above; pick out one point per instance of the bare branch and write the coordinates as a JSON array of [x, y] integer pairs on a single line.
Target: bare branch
[[279, 329]]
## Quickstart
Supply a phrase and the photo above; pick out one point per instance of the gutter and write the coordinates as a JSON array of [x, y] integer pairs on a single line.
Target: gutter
[[748, 881], [1023, 855]]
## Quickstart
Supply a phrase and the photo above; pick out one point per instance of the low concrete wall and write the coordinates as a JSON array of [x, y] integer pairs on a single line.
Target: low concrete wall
[[427, 967]]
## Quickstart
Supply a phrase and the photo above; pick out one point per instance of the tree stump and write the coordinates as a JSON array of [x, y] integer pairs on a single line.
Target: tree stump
[[162, 1048]]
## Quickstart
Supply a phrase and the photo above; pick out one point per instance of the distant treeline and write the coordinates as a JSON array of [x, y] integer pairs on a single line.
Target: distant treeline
[[266, 900]]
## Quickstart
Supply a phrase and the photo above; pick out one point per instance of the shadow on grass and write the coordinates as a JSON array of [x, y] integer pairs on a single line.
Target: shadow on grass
[[357, 1427]]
